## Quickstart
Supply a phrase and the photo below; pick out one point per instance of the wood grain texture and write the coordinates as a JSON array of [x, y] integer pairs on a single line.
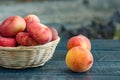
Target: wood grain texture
[[106, 65]]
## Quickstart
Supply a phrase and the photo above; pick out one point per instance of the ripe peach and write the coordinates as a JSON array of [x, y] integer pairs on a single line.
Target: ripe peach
[[7, 42], [79, 40], [54, 33], [12, 25], [31, 18], [23, 38], [79, 59], [39, 32]]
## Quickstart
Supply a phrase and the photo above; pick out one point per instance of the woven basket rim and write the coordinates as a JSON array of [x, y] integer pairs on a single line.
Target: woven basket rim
[[29, 47]]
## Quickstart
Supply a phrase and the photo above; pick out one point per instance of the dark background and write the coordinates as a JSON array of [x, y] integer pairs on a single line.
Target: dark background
[[96, 19]]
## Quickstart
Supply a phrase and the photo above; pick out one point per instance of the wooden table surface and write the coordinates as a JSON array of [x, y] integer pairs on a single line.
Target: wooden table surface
[[106, 65]]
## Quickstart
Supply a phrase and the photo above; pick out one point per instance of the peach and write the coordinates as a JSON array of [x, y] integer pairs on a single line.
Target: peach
[[12, 25], [31, 18], [79, 59], [79, 40], [24, 39], [7, 42], [39, 32], [54, 33]]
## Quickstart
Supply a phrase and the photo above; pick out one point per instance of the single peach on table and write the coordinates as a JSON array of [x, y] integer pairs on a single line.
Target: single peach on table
[[7, 42], [79, 40], [12, 25], [24, 39], [54, 33], [39, 32], [78, 59]]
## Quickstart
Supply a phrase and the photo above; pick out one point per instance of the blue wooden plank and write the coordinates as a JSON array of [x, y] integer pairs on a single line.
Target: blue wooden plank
[[96, 44], [99, 55], [106, 55], [59, 68], [60, 77]]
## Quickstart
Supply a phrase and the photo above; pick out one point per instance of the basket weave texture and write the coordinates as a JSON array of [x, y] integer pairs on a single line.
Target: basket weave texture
[[24, 57]]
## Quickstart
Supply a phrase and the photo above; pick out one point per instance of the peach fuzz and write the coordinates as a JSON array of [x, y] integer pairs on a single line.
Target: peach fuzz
[[79, 59], [39, 32], [24, 39], [54, 33], [31, 18], [7, 42], [79, 40], [12, 25]]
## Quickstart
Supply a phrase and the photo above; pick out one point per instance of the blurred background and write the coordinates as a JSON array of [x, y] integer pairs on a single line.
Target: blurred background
[[96, 19]]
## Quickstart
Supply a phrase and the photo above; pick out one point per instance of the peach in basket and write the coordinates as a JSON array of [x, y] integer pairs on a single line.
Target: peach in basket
[[25, 42], [24, 57]]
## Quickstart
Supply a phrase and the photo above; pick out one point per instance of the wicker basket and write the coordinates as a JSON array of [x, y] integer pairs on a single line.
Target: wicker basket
[[25, 57]]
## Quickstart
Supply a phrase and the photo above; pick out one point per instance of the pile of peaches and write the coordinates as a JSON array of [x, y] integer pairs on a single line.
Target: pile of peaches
[[79, 57], [27, 31]]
